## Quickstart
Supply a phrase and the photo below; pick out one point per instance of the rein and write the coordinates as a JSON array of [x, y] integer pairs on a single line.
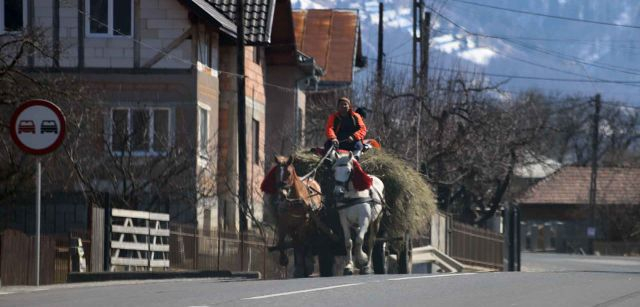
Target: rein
[[312, 173]]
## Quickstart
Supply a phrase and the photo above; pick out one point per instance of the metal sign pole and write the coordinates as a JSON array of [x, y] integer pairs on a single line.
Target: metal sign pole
[[38, 189], [24, 120]]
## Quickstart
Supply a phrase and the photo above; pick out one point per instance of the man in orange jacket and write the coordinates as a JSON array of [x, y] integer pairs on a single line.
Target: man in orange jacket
[[345, 129]]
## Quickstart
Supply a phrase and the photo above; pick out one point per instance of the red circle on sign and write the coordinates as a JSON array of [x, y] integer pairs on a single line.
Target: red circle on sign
[[44, 103]]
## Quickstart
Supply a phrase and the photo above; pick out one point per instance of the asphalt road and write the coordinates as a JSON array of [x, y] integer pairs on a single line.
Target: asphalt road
[[570, 281]]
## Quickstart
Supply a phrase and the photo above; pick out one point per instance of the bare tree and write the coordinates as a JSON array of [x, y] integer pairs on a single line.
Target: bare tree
[[138, 163], [471, 136], [18, 84]]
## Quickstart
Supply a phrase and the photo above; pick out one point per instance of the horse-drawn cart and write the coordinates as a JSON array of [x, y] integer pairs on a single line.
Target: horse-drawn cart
[[407, 203]]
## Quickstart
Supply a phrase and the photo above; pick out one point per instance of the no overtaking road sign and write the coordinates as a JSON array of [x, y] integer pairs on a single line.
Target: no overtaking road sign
[[37, 127]]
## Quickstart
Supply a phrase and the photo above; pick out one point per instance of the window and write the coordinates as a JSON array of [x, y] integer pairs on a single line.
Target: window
[[203, 130], [255, 127], [109, 17], [14, 15], [140, 130]]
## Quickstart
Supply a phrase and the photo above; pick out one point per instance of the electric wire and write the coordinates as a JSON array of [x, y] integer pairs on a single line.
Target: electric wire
[[547, 15]]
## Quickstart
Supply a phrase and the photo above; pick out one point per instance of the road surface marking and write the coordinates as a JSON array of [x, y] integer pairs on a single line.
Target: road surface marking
[[618, 299], [3, 293], [431, 276], [301, 291]]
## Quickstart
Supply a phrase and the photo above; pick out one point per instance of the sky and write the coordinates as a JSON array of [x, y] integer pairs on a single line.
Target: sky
[[570, 47]]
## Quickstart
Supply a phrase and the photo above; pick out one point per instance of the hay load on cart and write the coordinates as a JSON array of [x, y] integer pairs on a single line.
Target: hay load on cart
[[409, 202]]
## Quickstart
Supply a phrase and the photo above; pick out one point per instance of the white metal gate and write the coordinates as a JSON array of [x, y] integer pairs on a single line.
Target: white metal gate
[[140, 240]]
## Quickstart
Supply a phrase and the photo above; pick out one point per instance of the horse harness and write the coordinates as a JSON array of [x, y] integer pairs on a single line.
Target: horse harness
[[358, 200]]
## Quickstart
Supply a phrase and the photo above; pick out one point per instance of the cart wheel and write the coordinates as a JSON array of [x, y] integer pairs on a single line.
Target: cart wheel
[[326, 262], [405, 257], [379, 258]]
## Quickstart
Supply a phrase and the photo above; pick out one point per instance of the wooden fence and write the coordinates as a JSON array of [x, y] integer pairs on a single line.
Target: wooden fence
[[223, 250], [475, 246], [18, 257]]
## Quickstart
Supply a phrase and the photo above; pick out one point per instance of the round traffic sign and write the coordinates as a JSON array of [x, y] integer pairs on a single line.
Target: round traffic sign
[[37, 126]]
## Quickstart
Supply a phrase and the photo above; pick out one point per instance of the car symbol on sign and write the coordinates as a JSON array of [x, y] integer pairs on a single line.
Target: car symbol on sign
[[48, 126], [26, 126]]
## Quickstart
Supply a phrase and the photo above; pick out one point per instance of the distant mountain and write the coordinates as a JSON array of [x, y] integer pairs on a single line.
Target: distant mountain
[[528, 45]]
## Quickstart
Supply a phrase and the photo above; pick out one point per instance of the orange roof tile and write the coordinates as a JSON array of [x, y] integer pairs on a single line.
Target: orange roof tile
[[330, 37], [570, 186]]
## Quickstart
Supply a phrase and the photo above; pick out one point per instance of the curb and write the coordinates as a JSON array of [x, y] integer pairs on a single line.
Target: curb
[[75, 277]]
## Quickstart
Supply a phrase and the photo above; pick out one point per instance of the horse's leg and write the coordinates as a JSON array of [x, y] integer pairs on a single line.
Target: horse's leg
[[363, 222], [284, 259], [373, 232], [299, 261], [348, 245], [281, 229]]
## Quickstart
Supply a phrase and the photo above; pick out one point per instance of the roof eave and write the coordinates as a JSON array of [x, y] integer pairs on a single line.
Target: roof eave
[[209, 13]]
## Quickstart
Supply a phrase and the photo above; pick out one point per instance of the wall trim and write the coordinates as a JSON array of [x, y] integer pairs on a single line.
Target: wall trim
[[31, 18], [136, 33], [56, 33], [166, 50], [95, 70], [81, 34]]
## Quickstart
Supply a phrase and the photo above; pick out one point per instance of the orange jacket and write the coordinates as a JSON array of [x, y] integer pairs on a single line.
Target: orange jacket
[[333, 126]]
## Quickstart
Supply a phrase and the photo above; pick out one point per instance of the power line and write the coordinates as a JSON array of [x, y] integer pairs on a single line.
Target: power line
[[500, 53], [586, 73], [436, 68], [515, 41], [527, 61], [611, 104], [545, 51], [397, 48], [559, 40], [547, 15], [609, 67]]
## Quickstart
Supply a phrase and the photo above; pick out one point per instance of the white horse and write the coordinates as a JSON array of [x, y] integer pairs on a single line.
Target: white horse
[[359, 204]]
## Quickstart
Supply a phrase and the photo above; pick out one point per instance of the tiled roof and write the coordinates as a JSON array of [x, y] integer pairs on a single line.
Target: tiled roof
[[331, 37], [258, 17], [570, 186]]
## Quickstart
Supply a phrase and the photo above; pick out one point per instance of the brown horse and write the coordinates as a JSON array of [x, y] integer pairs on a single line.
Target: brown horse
[[294, 201]]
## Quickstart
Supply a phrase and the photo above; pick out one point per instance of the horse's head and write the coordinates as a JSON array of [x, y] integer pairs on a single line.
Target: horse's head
[[342, 168], [285, 174]]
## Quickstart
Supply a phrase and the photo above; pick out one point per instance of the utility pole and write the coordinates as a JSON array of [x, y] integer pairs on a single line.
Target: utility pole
[[414, 77], [242, 141], [591, 230], [377, 101], [379, 63], [424, 49], [425, 29], [414, 47]]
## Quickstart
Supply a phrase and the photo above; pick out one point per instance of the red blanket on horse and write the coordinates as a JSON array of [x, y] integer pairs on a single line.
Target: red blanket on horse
[[268, 184]]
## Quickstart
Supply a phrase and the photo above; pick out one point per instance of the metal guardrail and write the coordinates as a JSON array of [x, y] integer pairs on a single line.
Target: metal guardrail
[[429, 254]]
